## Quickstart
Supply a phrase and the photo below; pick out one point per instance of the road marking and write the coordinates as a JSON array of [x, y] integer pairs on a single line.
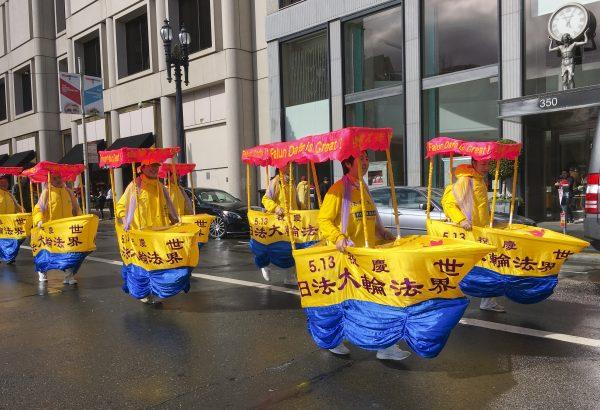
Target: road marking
[[464, 321]]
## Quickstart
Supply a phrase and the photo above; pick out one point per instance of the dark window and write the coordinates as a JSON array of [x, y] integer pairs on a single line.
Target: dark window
[[136, 43], [23, 98], [91, 58], [373, 50], [59, 10], [63, 65], [458, 35], [285, 3], [196, 17], [2, 100]]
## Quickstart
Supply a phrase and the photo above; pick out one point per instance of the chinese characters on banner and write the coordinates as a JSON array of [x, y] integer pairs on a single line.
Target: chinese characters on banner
[[203, 222], [15, 226], [268, 228], [76, 234]]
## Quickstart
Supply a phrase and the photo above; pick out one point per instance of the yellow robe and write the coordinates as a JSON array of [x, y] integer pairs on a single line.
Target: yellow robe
[[7, 203], [330, 216], [178, 197], [62, 204], [280, 197], [480, 215], [152, 208], [303, 194]]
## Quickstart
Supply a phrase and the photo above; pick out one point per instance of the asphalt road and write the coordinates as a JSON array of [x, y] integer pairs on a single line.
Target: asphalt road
[[234, 341]]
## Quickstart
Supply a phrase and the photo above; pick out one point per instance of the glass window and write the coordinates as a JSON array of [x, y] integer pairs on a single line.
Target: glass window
[[22, 87], [2, 99], [305, 85], [91, 58], [136, 43], [381, 197], [458, 35], [410, 199], [542, 68], [59, 10], [465, 111], [63, 65], [285, 3], [373, 49], [197, 19], [383, 112]]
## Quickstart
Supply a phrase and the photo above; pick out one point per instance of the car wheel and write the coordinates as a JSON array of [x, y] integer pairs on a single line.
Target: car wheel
[[596, 244], [218, 228]]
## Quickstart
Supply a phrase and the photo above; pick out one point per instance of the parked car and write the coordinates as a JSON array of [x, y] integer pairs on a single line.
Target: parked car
[[412, 203], [591, 223], [231, 213]]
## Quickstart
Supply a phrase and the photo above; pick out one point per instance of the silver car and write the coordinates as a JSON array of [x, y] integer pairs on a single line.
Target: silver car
[[412, 203]]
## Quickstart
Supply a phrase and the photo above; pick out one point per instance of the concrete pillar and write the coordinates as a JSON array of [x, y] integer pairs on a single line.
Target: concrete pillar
[[167, 122], [48, 147], [337, 85], [232, 148], [510, 21], [111, 53], [115, 130], [275, 109], [412, 91], [161, 15]]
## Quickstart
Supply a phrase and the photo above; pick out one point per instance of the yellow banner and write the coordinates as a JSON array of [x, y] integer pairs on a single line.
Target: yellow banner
[[15, 226], [203, 222], [521, 250], [268, 228], [410, 271], [170, 248], [76, 234]]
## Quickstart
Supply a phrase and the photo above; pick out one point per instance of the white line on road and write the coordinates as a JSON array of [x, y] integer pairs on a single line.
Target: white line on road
[[464, 321]]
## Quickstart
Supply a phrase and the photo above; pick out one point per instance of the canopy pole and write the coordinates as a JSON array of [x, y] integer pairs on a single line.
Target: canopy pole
[[85, 197], [31, 194], [514, 191], [495, 193], [191, 179], [135, 188], [451, 168], [111, 173], [308, 180], [287, 208], [317, 187], [393, 192], [49, 197], [22, 204], [174, 172], [248, 185], [82, 193], [291, 185], [361, 186], [429, 187]]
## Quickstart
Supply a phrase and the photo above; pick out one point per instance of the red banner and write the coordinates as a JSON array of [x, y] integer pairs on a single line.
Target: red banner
[[11, 170], [145, 156], [487, 150], [336, 145], [180, 169], [39, 173]]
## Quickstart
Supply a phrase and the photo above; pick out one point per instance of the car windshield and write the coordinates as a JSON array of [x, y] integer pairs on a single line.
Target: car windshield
[[215, 196], [408, 198]]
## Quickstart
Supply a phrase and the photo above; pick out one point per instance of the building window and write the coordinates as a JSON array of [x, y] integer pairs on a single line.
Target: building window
[[458, 35], [285, 3], [63, 65], [305, 85], [373, 50], [3, 115], [59, 13], [197, 19], [92, 64], [22, 86], [382, 112], [133, 35], [465, 111], [542, 68]]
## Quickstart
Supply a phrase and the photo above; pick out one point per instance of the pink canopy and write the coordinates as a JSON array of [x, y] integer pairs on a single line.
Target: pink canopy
[[11, 170], [39, 173], [336, 145], [180, 169], [145, 156], [488, 150]]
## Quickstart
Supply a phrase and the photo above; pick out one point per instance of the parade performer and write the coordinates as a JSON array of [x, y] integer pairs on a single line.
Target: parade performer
[[466, 204], [340, 222], [9, 246], [303, 190], [181, 201]]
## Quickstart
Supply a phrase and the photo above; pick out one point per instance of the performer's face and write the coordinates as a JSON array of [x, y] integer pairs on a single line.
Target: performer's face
[[56, 180], [4, 183], [482, 167], [364, 165], [151, 171]]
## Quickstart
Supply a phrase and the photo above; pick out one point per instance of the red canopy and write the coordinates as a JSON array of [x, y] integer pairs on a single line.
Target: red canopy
[[11, 170], [336, 145], [39, 173], [477, 150], [119, 157], [180, 169]]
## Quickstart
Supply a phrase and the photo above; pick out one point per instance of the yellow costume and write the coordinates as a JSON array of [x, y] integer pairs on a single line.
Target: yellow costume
[[180, 200], [330, 215], [275, 196], [8, 205], [303, 190], [62, 204], [467, 198], [152, 202]]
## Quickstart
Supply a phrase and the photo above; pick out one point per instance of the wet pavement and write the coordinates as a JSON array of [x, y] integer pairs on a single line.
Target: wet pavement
[[233, 342]]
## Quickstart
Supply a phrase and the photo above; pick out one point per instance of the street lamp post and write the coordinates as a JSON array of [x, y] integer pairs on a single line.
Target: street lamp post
[[177, 57]]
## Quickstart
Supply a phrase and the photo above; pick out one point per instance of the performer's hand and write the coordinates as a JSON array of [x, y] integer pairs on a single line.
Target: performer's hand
[[387, 235], [39, 224], [341, 244], [279, 211], [466, 225]]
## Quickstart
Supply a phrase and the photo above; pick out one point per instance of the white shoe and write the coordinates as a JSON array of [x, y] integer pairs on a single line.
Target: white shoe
[[42, 277], [69, 278], [491, 305], [340, 349], [147, 300], [266, 272], [290, 277], [392, 353]]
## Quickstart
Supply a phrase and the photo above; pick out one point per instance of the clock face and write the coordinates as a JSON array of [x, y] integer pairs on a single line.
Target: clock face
[[570, 19]]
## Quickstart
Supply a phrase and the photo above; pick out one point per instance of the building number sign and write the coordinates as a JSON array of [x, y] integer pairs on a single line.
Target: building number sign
[[548, 102]]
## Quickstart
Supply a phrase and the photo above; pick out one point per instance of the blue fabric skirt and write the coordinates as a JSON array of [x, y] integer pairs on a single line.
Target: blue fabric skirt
[[164, 283], [9, 248], [277, 253], [425, 326], [485, 283], [46, 261]]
